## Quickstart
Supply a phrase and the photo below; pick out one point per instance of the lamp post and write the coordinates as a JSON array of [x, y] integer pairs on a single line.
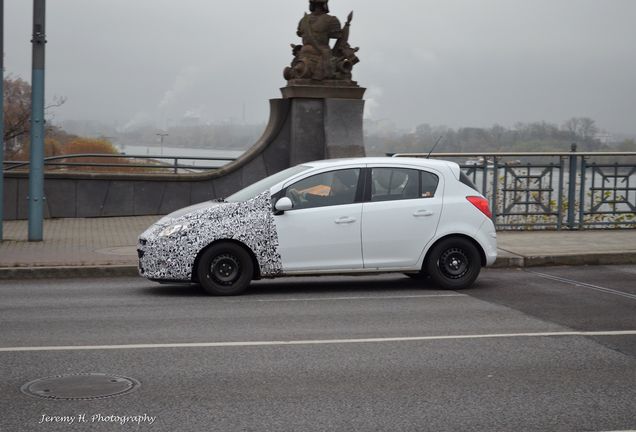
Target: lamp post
[[36, 172], [162, 136]]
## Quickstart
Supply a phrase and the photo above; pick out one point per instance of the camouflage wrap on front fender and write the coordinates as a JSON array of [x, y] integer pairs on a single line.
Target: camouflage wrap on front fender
[[250, 223]]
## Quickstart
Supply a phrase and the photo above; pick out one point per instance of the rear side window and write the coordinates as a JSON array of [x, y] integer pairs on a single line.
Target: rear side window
[[464, 179], [391, 184], [429, 184]]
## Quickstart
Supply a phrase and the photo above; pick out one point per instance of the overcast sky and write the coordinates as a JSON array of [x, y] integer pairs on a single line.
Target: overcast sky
[[450, 62]]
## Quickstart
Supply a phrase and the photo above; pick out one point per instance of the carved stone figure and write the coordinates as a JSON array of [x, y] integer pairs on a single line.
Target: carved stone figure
[[315, 61]]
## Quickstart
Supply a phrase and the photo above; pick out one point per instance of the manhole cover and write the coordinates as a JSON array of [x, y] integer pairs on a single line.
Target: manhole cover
[[80, 386]]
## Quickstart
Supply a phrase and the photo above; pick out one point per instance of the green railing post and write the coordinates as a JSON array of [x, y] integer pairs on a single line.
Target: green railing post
[[572, 188], [495, 183], [36, 174], [560, 197], [1, 118], [582, 193]]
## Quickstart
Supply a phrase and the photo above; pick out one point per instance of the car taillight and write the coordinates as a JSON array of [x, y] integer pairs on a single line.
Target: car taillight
[[482, 204]]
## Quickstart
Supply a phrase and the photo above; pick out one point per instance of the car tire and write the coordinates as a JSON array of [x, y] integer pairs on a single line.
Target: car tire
[[225, 269], [454, 263]]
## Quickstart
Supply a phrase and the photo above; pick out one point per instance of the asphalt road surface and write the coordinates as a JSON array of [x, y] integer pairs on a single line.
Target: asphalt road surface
[[546, 349]]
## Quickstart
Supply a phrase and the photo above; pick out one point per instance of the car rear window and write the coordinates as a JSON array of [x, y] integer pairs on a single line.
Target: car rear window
[[464, 179]]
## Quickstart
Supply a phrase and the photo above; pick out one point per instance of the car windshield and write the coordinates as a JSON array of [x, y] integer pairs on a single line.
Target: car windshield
[[261, 186]]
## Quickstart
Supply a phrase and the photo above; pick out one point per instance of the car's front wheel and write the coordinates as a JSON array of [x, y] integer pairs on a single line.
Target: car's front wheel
[[225, 269], [454, 263]]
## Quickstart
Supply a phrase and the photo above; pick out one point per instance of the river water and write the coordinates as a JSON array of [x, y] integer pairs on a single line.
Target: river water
[[183, 154]]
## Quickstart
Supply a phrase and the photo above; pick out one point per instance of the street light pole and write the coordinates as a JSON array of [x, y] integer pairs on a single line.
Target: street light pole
[[162, 136], [36, 172], [1, 117]]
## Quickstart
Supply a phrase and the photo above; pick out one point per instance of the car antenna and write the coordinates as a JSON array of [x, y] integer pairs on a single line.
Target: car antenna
[[435, 146]]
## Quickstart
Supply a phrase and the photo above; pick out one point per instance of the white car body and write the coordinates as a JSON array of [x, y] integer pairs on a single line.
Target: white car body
[[384, 223]]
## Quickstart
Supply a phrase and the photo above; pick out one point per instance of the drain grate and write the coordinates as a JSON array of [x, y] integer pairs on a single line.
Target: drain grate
[[86, 386]]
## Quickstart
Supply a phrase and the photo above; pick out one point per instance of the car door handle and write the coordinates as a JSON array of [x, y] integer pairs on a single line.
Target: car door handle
[[345, 220], [423, 213]]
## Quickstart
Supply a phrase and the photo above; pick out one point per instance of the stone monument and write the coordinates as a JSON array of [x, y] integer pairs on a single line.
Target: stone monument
[[326, 103]]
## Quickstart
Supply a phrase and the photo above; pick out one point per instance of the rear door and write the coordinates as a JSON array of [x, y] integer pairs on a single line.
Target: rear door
[[400, 215]]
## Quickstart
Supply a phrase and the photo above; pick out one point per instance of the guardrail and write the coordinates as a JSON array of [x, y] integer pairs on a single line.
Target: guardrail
[[571, 190], [152, 162]]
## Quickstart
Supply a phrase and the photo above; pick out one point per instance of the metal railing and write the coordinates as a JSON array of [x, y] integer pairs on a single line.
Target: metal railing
[[571, 190], [152, 163], [529, 190]]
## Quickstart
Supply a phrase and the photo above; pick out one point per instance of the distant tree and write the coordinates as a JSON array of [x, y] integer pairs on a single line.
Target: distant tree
[[424, 131], [89, 145], [588, 129], [17, 114], [627, 145], [581, 127], [52, 147]]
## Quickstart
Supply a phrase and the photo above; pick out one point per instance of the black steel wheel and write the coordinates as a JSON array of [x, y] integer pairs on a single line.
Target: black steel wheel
[[225, 269], [454, 263]]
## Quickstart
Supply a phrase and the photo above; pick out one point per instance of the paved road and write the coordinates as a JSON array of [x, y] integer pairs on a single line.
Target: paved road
[[373, 353]]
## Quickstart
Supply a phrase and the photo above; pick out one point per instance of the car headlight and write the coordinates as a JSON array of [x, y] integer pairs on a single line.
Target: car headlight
[[173, 229]]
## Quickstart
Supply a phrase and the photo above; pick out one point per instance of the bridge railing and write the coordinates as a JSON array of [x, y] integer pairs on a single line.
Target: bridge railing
[[570, 190], [118, 162]]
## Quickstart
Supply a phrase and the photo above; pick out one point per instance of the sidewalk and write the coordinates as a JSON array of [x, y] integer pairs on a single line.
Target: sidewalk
[[107, 246]]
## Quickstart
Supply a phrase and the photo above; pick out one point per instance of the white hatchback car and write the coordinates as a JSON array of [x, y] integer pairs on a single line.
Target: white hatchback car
[[420, 217]]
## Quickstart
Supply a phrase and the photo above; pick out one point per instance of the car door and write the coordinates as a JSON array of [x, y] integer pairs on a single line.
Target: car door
[[400, 215], [322, 231]]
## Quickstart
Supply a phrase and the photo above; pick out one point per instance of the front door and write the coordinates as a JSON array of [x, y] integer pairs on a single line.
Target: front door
[[323, 230]]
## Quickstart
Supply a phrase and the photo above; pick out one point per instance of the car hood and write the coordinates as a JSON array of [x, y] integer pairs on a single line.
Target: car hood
[[168, 219]]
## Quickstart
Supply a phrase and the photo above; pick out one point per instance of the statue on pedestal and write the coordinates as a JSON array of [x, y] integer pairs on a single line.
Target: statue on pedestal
[[315, 61]]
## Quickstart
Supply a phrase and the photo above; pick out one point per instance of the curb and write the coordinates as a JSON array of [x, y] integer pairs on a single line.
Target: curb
[[612, 258], [516, 261], [67, 272]]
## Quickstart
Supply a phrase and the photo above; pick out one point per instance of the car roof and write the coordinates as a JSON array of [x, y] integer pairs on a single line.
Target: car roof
[[425, 163]]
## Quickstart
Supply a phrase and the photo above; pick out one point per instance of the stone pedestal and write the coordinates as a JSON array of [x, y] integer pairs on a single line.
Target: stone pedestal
[[313, 91], [325, 129]]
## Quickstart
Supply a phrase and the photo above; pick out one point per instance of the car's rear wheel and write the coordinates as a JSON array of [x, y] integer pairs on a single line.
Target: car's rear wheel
[[225, 269], [454, 263]]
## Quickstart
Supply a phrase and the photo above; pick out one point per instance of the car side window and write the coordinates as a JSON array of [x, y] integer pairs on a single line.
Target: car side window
[[429, 184], [326, 189], [390, 184]]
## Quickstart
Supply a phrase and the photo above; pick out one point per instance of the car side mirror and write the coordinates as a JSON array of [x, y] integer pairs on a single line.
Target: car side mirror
[[282, 205]]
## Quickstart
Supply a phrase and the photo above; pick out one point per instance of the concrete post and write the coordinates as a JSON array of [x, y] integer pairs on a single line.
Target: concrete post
[[36, 172]]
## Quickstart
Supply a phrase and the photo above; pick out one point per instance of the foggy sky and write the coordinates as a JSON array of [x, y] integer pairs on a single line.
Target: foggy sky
[[442, 62]]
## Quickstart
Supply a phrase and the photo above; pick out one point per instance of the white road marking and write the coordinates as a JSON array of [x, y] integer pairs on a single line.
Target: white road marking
[[316, 342], [584, 285], [308, 299]]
